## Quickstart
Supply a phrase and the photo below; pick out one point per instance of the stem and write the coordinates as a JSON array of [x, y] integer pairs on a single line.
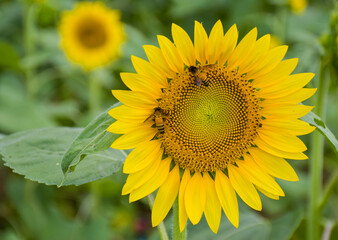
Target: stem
[[29, 70], [94, 95], [161, 228], [177, 234], [330, 186], [316, 162]]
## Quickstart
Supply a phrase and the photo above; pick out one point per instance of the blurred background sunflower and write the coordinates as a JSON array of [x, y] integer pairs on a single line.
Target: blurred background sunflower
[[41, 85]]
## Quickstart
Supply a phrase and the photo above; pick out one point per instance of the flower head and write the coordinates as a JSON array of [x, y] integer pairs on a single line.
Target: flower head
[[208, 120], [91, 34]]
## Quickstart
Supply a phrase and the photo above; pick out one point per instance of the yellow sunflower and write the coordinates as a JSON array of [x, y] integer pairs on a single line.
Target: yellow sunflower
[[91, 34], [208, 120]]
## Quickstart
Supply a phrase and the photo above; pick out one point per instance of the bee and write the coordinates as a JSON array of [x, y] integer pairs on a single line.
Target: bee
[[158, 119], [200, 74]]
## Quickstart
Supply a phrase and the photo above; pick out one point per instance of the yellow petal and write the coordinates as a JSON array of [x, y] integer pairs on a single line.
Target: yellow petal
[[281, 71], [212, 210], [227, 197], [243, 49], [153, 183], [135, 180], [294, 98], [288, 143], [268, 63], [254, 58], [257, 176], [130, 115], [155, 56], [171, 54], [182, 213], [133, 138], [287, 126], [287, 86], [275, 166], [200, 41], [184, 45], [244, 188], [229, 44], [285, 111], [136, 99], [166, 196], [215, 43], [268, 194], [147, 69], [120, 127], [142, 156], [276, 152], [138, 83], [194, 198]]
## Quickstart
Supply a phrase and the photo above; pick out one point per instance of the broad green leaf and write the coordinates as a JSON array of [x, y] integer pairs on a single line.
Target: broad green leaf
[[284, 227], [316, 121], [8, 57], [93, 138], [37, 154]]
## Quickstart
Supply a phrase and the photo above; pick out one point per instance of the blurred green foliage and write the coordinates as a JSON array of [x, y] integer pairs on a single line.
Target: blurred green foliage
[[40, 88]]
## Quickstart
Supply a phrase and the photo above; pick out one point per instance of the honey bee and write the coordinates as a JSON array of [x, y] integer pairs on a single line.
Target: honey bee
[[158, 119], [200, 74]]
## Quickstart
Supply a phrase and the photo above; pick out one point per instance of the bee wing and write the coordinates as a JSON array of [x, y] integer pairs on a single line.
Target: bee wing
[[198, 81], [148, 118]]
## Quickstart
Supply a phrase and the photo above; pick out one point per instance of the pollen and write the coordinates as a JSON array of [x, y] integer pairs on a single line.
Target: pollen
[[209, 126]]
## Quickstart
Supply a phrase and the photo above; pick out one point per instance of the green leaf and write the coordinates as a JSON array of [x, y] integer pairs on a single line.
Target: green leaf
[[316, 121], [8, 57], [93, 138], [284, 227], [37, 154]]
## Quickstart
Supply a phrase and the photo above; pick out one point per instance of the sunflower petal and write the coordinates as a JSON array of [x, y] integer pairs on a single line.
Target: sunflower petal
[[165, 197], [268, 194], [275, 166], [281, 71], [215, 43], [257, 176], [284, 111], [135, 180], [130, 115], [289, 143], [135, 99], [142, 156], [212, 209], [244, 188], [155, 56], [194, 198], [120, 127], [153, 183], [200, 40], [294, 98], [133, 138], [171, 54], [288, 126], [184, 45], [243, 49], [229, 44], [279, 153], [147, 69], [227, 197], [269, 62], [182, 213]]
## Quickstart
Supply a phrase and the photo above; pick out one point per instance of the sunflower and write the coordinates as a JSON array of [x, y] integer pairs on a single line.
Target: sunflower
[[91, 34], [210, 119]]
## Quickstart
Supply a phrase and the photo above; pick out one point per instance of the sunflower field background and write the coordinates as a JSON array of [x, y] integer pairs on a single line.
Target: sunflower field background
[[47, 99]]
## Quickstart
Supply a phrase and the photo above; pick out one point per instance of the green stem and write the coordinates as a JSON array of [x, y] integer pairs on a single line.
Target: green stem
[[28, 23], [94, 95], [328, 190], [316, 162], [161, 228], [177, 234]]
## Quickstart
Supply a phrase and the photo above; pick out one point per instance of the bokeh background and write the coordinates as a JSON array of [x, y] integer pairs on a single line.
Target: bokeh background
[[40, 87]]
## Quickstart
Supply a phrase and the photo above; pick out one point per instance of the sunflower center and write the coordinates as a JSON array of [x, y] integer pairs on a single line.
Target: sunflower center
[[91, 33], [211, 123]]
